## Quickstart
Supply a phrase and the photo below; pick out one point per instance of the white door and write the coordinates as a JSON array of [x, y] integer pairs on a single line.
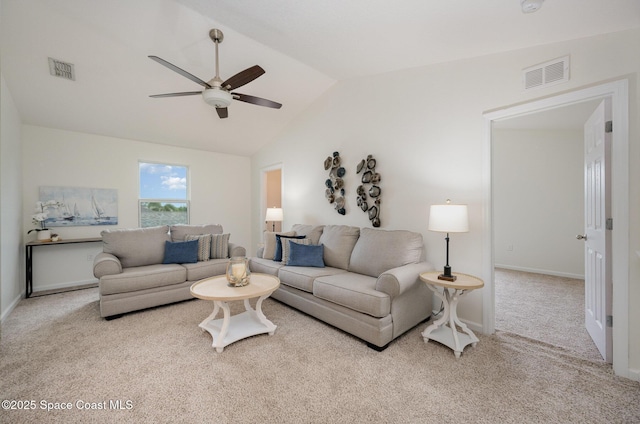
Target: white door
[[597, 238]]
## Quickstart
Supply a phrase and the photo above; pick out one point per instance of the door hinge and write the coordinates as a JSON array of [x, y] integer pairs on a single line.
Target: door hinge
[[609, 321], [608, 127], [609, 224]]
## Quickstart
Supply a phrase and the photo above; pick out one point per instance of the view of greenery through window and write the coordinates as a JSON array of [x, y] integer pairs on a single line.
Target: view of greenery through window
[[163, 195]]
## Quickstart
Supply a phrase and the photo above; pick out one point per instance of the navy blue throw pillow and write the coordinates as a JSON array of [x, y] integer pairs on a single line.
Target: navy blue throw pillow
[[180, 252], [306, 255], [278, 256]]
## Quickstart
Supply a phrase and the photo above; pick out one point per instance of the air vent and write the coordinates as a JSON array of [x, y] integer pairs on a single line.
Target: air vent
[[546, 74], [57, 68]]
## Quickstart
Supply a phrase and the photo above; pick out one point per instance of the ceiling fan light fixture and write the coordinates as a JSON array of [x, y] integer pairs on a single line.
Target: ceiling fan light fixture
[[216, 97], [217, 92], [530, 6]]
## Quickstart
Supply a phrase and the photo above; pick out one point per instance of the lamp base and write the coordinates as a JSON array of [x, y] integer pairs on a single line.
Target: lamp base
[[447, 277]]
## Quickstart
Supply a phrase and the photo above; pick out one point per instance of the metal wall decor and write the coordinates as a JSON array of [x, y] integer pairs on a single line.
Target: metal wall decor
[[369, 186], [334, 191]]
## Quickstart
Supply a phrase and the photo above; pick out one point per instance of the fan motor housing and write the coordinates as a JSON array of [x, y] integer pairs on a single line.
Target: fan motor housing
[[217, 97]]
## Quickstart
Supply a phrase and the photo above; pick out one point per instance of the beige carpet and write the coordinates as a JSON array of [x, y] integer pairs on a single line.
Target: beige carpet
[[57, 349], [544, 307]]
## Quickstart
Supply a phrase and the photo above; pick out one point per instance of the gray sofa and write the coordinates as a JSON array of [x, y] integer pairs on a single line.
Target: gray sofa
[[132, 273], [369, 286]]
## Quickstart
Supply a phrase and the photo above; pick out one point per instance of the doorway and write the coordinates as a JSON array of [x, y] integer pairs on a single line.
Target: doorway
[[618, 93], [272, 195], [538, 209]]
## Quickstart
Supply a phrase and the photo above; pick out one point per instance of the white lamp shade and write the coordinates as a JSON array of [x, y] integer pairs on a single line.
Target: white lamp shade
[[274, 214], [449, 218]]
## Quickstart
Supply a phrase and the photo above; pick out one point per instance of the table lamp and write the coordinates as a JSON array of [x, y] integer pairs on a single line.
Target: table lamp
[[274, 215], [448, 219]]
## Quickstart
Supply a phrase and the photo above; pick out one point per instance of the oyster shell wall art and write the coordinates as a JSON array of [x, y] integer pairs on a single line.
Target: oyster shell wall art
[[369, 185], [334, 185]]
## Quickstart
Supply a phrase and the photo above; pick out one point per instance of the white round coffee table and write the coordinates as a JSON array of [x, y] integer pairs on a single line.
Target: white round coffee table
[[230, 329]]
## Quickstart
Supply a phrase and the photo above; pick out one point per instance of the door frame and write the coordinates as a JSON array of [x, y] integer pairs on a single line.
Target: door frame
[[618, 91], [263, 189]]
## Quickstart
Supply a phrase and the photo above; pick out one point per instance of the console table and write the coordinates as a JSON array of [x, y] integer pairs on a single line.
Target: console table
[[29, 255]]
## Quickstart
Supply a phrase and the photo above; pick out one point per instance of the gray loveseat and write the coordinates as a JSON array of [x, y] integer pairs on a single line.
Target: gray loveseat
[[369, 285], [132, 273]]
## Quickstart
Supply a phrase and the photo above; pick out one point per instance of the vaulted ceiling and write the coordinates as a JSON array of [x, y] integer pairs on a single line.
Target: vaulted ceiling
[[305, 47]]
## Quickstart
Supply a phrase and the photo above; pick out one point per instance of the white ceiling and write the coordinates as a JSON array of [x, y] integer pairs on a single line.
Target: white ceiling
[[304, 46]]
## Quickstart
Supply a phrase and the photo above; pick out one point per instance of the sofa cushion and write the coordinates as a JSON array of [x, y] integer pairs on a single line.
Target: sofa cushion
[[269, 251], [380, 250], [280, 240], [142, 277], [305, 255], [353, 291], [286, 247], [302, 278], [205, 269], [180, 252], [338, 241], [312, 232], [220, 246], [136, 246], [178, 231], [204, 245]]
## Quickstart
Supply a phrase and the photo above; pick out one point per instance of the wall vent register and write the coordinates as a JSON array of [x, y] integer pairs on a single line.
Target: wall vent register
[[546, 74], [65, 70]]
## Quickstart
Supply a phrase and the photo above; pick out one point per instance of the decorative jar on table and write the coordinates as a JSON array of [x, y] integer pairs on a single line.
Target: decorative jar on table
[[238, 273]]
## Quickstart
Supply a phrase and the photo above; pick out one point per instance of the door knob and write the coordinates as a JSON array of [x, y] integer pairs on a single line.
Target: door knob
[[582, 237]]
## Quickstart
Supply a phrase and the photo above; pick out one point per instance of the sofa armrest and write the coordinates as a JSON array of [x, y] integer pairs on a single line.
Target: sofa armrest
[[396, 281], [237, 250], [106, 264]]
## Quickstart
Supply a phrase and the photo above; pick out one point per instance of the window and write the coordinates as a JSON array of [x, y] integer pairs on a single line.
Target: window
[[163, 194]]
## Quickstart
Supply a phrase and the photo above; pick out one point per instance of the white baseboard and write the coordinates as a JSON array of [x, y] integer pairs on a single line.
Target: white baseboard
[[11, 307], [66, 285], [634, 374], [540, 271]]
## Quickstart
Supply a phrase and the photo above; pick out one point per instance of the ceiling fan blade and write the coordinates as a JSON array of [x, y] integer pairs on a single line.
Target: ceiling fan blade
[[184, 93], [243, 77], [256, 100], [180, 71], [223, 112]]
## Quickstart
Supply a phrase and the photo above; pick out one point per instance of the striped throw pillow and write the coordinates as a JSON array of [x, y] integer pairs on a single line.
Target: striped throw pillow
[[286, 249], [204, 245], [220, 246]]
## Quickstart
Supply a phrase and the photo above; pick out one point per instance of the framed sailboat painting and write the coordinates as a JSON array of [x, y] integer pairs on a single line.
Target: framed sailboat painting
[[79, 206]]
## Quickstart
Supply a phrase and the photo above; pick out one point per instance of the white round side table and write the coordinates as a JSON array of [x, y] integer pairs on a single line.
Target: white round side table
[[451, 293]]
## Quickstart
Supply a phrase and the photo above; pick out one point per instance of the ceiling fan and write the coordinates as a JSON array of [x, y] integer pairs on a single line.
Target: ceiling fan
[[217, 92]]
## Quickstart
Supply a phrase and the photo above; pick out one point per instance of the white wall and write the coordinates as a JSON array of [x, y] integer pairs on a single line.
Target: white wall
[[10, 199], [538, 201], [219, 186], [425, 128]]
